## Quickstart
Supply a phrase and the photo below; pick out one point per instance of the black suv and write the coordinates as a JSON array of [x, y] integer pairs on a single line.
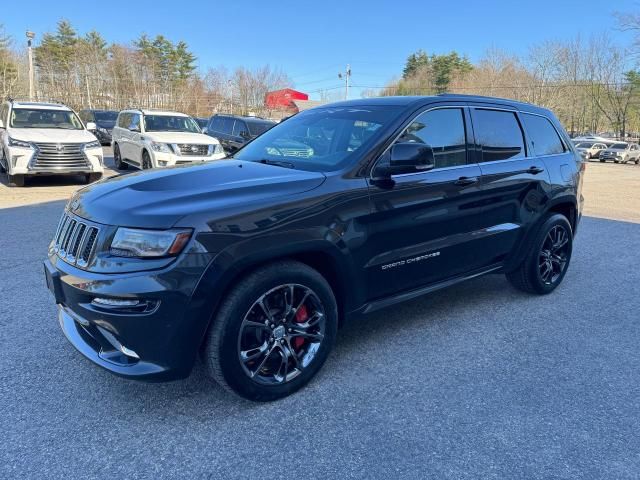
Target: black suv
[[234, 131], [255, 260], [105, 120]]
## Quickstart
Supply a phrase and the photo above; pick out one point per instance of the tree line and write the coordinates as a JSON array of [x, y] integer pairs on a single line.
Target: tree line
[[85, 71]]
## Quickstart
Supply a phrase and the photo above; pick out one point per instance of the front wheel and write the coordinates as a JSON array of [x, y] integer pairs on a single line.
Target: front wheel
[[146, 160], [548, 257], [273, 332], [117, 158]]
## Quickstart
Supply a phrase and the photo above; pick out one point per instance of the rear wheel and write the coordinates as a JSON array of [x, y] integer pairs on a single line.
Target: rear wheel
[[548, 257], [16, 180], [273, 332], [117, 158]]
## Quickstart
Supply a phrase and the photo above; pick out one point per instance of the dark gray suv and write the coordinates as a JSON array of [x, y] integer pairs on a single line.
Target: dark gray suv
[[234, 131]]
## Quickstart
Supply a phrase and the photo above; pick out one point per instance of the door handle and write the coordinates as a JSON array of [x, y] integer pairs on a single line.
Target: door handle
[[466, 181], [533, 170]]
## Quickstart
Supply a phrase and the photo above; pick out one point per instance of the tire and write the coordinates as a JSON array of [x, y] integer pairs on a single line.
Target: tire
[[2, 159], [530, 275], [602, 161], [257, 378], [616, 161], [146, 160], [117, 158], [92, 177], [16, 180]]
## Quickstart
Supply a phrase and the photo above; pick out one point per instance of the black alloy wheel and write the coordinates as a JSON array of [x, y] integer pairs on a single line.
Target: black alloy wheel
[[272, 332], [547, 258], [281, 334]]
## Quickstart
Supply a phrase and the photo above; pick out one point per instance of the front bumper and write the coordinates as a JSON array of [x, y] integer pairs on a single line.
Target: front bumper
[[21, 162], [158, 343], [163, 159]]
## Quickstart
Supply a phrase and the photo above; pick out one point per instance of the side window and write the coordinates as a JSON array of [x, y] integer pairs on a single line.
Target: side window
[[214, 124], [124, 120], [134, 122], [444, 131], [227, 125], [544, 136], [239, 126], [499, 135]]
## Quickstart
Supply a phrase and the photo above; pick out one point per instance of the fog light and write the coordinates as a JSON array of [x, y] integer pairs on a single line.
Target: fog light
[[114, 302]]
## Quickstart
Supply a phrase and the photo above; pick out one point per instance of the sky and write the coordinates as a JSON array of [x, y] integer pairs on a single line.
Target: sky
[[313, 41]]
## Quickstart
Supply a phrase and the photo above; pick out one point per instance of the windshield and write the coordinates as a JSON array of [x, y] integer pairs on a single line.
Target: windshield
[[170, 123], [103, 118], [258, 128], [619, 146], [34, 118], [320, 139], [584, 145]]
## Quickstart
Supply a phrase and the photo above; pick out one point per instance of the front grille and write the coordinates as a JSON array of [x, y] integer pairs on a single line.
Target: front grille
[[193, 149], [75, 240], [60, 156]]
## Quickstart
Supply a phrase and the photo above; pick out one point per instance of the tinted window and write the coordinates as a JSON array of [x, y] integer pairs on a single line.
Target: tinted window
[[227, 125], [258, 128], [443, 130], [104, 116], [619, 146], [239, 126], [124, 120], [499, 134], [34, 118], [543, 136], [216, 124], [170, 123]]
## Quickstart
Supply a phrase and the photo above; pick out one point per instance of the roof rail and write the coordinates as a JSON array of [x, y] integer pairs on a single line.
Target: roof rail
[[12, 99]]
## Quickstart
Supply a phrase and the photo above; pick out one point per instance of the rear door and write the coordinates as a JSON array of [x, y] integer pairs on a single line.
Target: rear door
[[515, 180]]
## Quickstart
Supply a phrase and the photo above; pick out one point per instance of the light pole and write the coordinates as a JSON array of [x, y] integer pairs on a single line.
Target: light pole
[[30, 36], [346, 75]]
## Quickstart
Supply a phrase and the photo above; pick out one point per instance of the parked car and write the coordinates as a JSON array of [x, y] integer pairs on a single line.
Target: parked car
[[234, 131], [202, 123], [590, 149], [621, 152], [156, 138], [104, 121], [38, 138], [255, 261]]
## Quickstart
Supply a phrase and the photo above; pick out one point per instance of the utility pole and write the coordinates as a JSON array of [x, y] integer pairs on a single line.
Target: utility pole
[[30, 36], [346, 75]]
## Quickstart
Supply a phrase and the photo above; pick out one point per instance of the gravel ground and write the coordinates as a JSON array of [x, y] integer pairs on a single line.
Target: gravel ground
[[477, 381]]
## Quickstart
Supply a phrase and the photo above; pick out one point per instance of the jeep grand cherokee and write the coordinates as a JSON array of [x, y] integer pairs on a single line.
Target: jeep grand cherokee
[[255, 260]]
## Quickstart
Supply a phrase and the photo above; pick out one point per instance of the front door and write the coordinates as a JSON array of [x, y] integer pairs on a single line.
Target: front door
[[427, 226]]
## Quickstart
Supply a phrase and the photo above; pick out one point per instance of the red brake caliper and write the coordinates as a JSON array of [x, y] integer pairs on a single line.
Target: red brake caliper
[[301, 317]]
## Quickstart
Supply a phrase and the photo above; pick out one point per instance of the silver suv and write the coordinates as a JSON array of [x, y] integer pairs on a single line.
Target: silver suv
[[621, 152]]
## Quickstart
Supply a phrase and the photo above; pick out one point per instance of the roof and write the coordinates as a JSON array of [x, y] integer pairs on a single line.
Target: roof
[[250, 118], [151, 111], [406, 101], [41, 105]]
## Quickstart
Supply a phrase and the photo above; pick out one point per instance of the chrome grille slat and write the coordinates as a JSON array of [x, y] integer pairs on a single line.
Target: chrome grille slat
[[75, 240], [69, 155], [193, 149]]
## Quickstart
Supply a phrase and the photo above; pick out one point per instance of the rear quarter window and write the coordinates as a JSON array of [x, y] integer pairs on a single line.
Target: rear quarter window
[[543, 135]]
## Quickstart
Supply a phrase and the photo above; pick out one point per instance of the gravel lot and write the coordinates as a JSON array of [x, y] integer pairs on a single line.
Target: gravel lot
[[478, 381]]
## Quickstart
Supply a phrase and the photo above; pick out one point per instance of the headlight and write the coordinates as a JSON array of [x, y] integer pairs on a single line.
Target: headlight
[[214, 149], [18, 143], [160, 147], [94, 144], [130, 242]]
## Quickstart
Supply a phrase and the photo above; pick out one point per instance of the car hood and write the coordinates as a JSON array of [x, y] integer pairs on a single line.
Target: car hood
[[180, 137], [159, 198], [53, 135]]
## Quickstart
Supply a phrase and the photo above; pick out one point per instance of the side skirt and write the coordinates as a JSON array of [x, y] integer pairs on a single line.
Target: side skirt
[[411, 294]]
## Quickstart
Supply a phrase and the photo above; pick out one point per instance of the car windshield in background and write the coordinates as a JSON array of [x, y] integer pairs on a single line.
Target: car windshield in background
[[321, 139], [619, 146], [584, 145], [169, 123], [34, 118], [106, 118], [258, 128]]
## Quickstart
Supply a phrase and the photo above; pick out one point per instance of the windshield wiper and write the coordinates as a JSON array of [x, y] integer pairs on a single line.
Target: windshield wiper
[[277, 163]]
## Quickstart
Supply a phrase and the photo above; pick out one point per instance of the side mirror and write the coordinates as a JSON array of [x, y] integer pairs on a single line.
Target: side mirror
[[91, 126], [409, 157]]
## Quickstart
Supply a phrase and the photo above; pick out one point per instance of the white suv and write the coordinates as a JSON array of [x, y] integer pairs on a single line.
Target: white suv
[[46, 138], [154, 138]]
